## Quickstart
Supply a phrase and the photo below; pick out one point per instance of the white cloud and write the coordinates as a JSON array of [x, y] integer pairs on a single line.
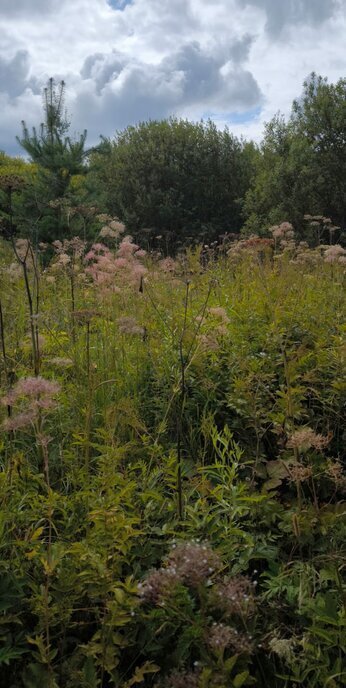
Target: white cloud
[[283, 13], [128, 61]]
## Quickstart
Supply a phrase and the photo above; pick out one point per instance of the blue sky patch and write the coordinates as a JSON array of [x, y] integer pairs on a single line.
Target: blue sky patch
[[234, 117], [119, 4]]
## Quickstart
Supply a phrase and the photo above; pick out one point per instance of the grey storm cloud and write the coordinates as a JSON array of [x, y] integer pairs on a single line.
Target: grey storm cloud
[[281, 13], [103, 68], [186, 58], [15, 8], [125, 91], [14, 73], [241, 48]]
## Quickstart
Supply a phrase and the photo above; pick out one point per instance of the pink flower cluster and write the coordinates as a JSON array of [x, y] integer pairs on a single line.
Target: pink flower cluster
[[106, 268], [69, 252], [335, 254], [253, 246], [284, 231], [190, 563], [235, 596], [33, 395]]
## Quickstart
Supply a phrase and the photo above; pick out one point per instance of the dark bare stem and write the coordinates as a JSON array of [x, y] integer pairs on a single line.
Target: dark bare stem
[[181, 406], [4, 355], [89, 402], [32, 312], [37, 302], [33, 324]]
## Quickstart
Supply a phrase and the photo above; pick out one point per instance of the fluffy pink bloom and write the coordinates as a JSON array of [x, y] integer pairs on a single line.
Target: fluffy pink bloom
[[106, 268], [138, 270], [37, 389], [31, 394], [334, 253], [120, 263], [99, 247], [167, 265], [20, 421], [127, 248]]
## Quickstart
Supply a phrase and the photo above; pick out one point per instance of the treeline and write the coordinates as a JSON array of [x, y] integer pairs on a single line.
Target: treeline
[[176, 183]]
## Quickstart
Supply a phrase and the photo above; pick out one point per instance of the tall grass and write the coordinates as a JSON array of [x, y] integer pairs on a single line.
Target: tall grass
[[199, 408]]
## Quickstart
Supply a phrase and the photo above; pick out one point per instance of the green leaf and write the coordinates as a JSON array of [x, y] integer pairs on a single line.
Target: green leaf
[[140, 673], [90, 673], [240, 679]]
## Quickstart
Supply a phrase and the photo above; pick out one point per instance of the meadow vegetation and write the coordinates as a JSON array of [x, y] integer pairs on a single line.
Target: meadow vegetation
[[172, 403], [171, 485]]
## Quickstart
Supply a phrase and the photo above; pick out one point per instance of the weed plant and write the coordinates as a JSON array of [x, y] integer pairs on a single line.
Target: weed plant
[[171, 485]]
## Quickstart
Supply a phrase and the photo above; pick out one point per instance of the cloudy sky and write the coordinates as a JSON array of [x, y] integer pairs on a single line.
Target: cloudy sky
[[124, 61]]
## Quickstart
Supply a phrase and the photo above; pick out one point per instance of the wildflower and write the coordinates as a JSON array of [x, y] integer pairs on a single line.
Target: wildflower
[[283, 647], [235, 595], [300, 473], [36, 388], [19, 421], [336, 473], [34, 394], [141, 253], [334, 253], [112, 228], [306, 438], [254, 245], [127, 248], [157, 585], [108, 233], [284, 231], [167, 265], [106, 267], [74, 247], [193, 562], [220, 637], [63, 260]]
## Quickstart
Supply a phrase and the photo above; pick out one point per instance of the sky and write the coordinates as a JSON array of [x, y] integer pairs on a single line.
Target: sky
[[236, 61]]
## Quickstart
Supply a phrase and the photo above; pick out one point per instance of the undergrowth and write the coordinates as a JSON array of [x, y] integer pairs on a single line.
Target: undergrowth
[[172, 465]]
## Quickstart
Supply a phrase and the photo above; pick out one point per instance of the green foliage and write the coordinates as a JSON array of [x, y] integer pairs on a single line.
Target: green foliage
[[51, 149], [201, 401], [173, 182], [41, 209], [302, 166]]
